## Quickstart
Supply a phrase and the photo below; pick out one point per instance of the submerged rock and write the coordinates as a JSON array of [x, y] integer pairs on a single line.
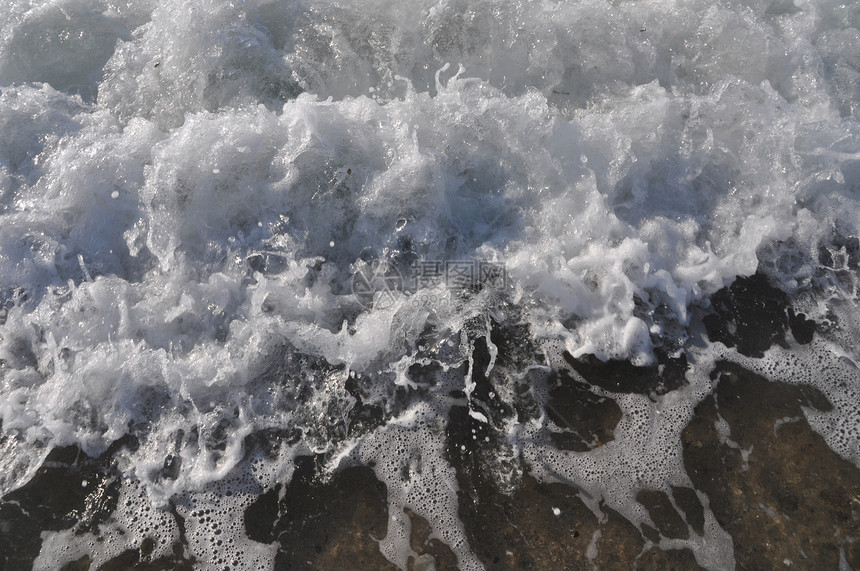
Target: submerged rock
[[771, 481]]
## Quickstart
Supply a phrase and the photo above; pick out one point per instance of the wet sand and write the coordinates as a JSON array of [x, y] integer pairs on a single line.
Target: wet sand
[[783, 495]]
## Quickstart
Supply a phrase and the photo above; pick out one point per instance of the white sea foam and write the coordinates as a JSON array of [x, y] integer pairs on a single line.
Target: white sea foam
[[187, 190]]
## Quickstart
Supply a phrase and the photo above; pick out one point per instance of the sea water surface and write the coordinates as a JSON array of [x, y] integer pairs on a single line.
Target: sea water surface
[[237, 233]]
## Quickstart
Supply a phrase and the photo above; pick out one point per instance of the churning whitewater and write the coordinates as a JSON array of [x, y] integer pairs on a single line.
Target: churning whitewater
[[236, 233]]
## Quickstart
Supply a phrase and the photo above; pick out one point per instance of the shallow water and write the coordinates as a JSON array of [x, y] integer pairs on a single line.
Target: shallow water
[[233, 234]]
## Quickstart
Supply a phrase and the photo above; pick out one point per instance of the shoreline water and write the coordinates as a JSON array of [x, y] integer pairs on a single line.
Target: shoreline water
[[770, 481]]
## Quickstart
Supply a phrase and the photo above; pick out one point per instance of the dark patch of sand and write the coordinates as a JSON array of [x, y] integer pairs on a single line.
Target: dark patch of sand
[[791, 499]]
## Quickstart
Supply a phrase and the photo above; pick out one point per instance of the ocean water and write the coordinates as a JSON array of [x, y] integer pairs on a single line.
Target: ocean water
[[298, 222]]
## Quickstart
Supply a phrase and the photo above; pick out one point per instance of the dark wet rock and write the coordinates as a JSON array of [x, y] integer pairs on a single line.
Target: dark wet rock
[[484, 444], [670, 560], [802, 329], [82, 564], [624, 377], [620, 542], [533, 525], [650, 533], [508, 531], [586, 419], [689, 503], [792, 498], [363, 418], [432, 553], [525, 524], [138, 560], [324, 524], [843, 251], [424, 374], [663, 514], [260, 517], [514, 351], [69, 490], [485, 396], [479, 448], [72, 491], [752, 315], [513, 531], [513, 341]]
